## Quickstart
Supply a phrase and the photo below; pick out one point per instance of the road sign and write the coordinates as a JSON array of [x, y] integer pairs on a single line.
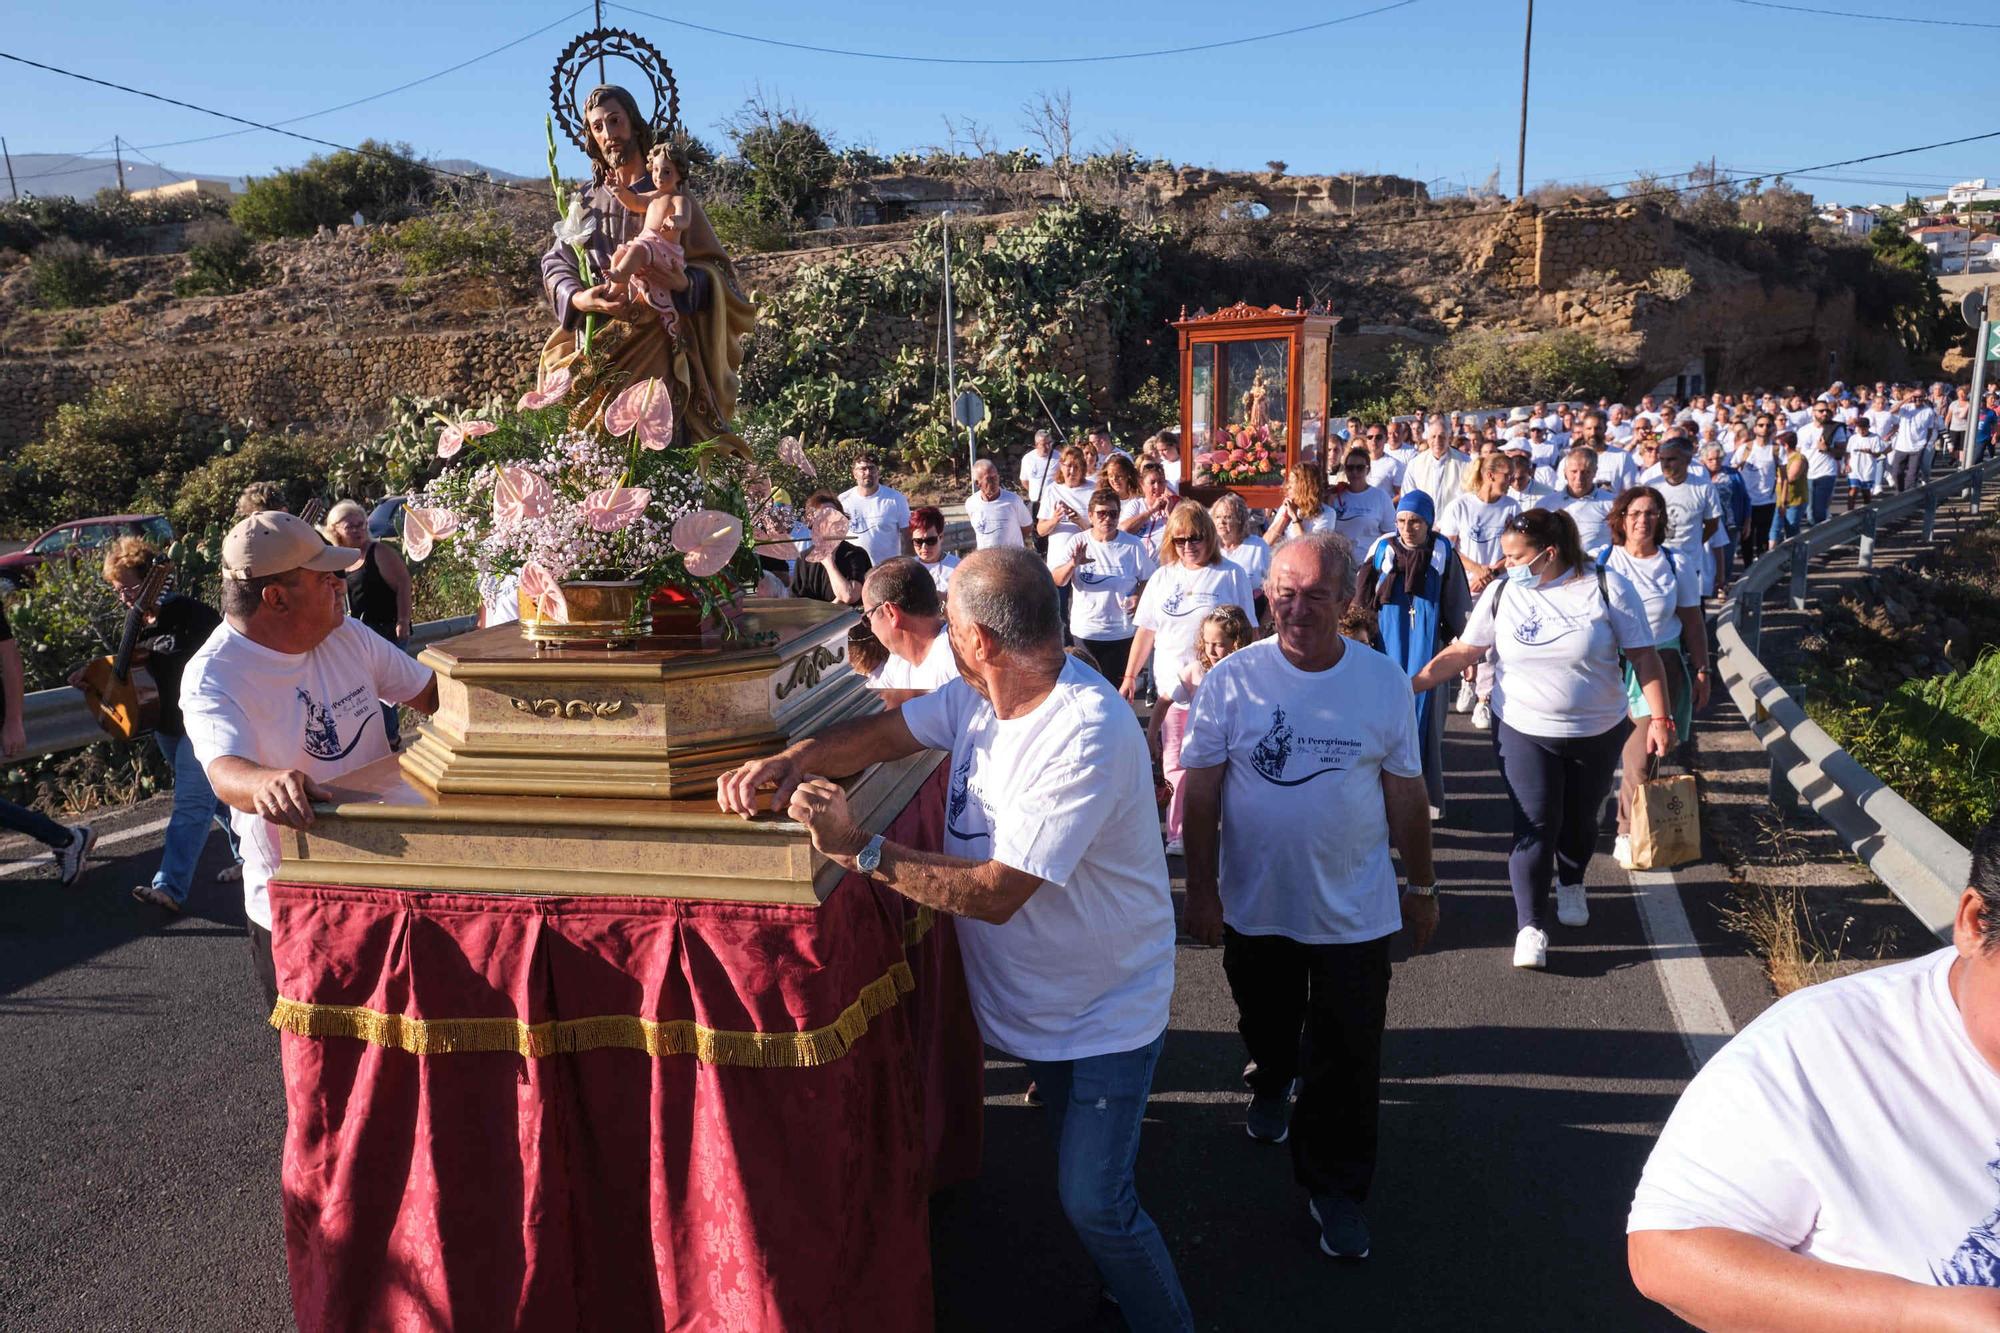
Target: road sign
[[969, 411], [1972, 307], [1993, 342]]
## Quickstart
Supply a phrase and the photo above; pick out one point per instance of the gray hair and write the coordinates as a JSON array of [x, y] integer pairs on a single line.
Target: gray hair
[[982, 467], [1007, 591], [1334, 552], [1229, 502], [1045, 434]]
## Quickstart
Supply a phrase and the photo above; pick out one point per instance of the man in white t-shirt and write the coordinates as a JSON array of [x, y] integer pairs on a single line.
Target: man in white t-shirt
[[1438, 470], [1053, 869], [1837, 1165], [1283, 732], [1588, 507], [1384, 468], [1693, 511], [901, 607], [999, 517], [1100, 452], [288, 694], [1823, 441], [1911, 432], [878, 516], [1038, 465]]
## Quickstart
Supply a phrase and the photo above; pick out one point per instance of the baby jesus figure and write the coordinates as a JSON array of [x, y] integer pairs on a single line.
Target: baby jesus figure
[[654, 262]]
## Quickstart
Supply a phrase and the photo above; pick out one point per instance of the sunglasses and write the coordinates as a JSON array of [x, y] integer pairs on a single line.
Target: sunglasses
[[924, 541], [1189, 541]]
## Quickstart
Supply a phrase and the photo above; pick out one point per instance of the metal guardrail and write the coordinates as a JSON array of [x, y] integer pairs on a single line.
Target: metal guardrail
[[56, 720], [1921, 864]]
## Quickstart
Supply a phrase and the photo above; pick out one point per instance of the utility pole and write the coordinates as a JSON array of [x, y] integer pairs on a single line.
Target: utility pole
[[599, 6], [950, 344], [1521, 161], [1982, 336], [12, 189], [118, 151]]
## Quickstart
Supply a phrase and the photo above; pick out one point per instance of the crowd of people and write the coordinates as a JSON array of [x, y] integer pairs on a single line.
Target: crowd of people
[[1543, 570]]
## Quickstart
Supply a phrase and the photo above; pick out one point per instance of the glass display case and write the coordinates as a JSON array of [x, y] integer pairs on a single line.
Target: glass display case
[[1254, 385]]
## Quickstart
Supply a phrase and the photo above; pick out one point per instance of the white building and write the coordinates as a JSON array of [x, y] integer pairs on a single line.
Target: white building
[[1855, 221], [1961, 194], [1950, 246]]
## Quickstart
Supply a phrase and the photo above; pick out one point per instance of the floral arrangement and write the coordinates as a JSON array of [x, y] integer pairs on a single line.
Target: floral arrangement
[[1242, 454], [528, 493]]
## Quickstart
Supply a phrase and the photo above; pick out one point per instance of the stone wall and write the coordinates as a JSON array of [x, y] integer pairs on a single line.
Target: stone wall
[[323, 381], [1535, 250]]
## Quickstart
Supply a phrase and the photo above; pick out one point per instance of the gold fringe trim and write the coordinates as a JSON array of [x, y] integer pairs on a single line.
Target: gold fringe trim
[[536, 1041], [917, 927]]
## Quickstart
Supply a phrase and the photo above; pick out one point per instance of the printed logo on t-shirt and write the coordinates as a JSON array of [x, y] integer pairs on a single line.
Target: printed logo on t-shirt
[[1093, 578], [1271, 755], [959, 797], [322, 733], [1976, 1262], [1544, 625], [1185, 602]]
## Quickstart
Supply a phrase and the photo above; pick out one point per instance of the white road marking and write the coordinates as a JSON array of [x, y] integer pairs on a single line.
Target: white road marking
[[1696, 1005], [40, 861]]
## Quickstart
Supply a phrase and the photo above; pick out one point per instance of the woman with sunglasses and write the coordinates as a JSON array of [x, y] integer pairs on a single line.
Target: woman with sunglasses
[[1556, 624], [1193, 579], [1668, 583], [1105, 571], [1363, 513], [927, 540]]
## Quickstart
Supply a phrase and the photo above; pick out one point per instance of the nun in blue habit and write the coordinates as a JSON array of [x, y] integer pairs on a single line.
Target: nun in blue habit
[[1414, 582]]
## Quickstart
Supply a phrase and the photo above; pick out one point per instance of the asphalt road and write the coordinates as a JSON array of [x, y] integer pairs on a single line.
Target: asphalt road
[[142, 1120]]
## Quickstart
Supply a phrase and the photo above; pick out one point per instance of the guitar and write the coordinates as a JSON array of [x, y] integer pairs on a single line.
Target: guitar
[[119, 689]]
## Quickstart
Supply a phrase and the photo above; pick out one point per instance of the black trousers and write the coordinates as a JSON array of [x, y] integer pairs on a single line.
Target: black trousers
[[1757, 536], [1112, 655], [263, 964], [1337, 997]]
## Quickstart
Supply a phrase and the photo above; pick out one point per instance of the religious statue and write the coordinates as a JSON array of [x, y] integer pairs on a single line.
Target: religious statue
[[679, 317], [1256, 407]]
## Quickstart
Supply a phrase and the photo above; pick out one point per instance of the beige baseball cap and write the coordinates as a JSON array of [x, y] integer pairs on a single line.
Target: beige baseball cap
[[274, 542]]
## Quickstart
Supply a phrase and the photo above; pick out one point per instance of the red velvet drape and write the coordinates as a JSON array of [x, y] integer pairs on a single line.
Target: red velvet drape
[[436, 1177]]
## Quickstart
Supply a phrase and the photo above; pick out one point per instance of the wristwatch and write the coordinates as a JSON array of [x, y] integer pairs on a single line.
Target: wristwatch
[[1422, 890], [870, 858]]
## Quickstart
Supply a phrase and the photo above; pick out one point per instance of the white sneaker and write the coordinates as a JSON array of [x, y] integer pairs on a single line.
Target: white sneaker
[[1175, 847], [1572, 905], [1466, 696], [1482, 716], [1621, 851], [1531, 947]]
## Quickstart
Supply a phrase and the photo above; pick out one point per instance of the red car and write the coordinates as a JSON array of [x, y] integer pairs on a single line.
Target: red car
[[77, 539]]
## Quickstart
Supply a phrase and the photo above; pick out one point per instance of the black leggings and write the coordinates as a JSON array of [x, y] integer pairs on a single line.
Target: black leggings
[[1111, 656], [1757, 536], [1557, 786]]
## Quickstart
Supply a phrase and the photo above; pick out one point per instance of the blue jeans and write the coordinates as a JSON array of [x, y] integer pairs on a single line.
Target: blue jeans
[[1786, 520], [187, 827], [1095, 1107], [20, 819], [1822, 496]]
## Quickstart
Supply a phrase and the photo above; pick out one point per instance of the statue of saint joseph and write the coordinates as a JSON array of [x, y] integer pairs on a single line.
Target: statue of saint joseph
[[700, 365]]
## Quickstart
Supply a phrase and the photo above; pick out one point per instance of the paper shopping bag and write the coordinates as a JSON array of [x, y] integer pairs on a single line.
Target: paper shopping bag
[[1666, 823]]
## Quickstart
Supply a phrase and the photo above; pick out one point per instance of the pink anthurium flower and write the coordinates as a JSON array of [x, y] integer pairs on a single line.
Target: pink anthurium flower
[[829, 529], [542, 589], [550, 390], [708, 538], [646, 407], [454, 437], [793, 454], [519, 494], [614, 508], [421, 527]]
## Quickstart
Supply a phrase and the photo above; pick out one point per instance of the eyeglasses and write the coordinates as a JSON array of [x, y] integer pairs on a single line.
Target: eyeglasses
[[1196, 540], [1111, 514], [924, 541], [868, 612]]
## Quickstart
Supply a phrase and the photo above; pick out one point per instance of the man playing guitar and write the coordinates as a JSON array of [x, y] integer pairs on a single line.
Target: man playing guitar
[[167, 635]]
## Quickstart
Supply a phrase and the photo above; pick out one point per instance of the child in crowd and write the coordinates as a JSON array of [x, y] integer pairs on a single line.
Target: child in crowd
[[1223, 631], [1864, 461], [654, 262]]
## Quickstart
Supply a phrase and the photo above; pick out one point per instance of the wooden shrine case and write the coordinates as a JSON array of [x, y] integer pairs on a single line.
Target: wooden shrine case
[[1253, 397]]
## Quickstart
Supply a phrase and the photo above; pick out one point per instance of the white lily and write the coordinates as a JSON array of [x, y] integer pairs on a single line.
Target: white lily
[[576, 227]]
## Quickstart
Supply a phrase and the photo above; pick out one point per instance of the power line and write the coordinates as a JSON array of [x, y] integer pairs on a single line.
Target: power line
[[69, 158], [1852, 14], [1025, 60], [258, 125], [386, 92]]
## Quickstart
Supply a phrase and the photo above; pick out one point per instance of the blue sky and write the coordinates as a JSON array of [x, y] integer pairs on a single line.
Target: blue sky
[[1429, 90]]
